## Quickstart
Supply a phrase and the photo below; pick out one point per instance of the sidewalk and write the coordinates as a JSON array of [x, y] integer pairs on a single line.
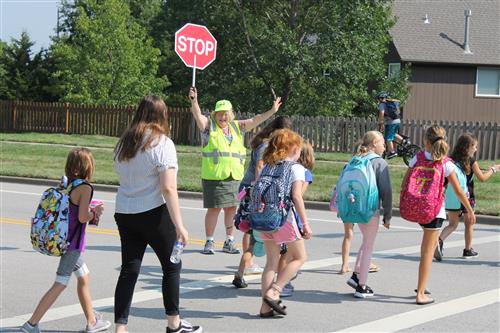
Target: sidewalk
[[481, 219]]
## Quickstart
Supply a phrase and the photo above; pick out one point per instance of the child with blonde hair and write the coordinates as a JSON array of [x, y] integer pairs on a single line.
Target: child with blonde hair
[[422, 199], [369, 151]]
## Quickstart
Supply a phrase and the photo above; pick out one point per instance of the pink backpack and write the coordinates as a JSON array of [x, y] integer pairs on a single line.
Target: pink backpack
[[422, 194]]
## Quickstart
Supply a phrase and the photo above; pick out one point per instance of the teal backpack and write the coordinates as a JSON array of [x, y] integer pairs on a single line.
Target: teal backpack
[[357, 191], [451, 200]]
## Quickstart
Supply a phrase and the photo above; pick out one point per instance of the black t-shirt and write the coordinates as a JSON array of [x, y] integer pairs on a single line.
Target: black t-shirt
[[470, 178]]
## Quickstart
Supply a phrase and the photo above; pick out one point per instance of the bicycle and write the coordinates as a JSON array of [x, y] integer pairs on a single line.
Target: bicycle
[[406, 149]]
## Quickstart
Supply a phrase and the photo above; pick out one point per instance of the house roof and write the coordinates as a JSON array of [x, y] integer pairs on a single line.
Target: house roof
[[441, 40]]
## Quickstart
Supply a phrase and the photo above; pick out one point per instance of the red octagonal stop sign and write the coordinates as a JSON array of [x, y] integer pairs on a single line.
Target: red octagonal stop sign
[[195, 45]]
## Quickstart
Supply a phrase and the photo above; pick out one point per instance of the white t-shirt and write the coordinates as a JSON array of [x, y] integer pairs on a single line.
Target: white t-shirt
[[298, 174], [139, 177], [448, 168]]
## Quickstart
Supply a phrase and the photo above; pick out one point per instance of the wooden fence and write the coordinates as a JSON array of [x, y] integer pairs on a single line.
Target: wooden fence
[[326, 134]]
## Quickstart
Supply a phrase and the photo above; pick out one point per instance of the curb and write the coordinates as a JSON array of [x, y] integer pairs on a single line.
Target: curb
[[481, 219]]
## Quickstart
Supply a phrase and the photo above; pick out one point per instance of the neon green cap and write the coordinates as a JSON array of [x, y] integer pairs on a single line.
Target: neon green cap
[[223, 105]]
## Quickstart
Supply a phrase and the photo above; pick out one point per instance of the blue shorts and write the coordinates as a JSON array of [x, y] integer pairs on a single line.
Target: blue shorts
[[390, 132]]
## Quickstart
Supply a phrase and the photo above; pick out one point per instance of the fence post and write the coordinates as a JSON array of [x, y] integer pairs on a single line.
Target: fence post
[[14, 114], [66, 109]]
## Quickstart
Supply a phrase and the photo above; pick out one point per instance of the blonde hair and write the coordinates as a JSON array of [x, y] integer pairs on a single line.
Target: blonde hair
[[280, 144], [307, 156], [79, 164], [230, 113], [436, 137], [363, 145]]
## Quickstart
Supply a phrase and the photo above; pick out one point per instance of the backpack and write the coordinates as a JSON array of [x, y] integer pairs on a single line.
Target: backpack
[[242, 216], [392, 108], [357, 198], [451, 200], [50, 226], [271, 197], [422, 193]]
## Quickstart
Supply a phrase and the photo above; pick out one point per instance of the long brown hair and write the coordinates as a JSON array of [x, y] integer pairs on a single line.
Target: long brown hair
[[277, 123], [149, 123], [436, 136], [79, 164], [462, 149]]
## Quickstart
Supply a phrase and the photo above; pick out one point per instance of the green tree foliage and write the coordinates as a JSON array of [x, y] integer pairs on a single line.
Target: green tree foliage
[[318, 55], [22, 75], [103, 56]]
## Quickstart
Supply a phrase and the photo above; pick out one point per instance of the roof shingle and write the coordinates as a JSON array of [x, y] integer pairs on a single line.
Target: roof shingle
[[442, 39]]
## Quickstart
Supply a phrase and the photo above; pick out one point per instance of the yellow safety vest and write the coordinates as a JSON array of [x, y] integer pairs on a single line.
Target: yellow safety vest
[[221, 159]]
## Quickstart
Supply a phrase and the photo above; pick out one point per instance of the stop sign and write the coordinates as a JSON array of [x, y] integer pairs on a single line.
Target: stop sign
[[195, 45]]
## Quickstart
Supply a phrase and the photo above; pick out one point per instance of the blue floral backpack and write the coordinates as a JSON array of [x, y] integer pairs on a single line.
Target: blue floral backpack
[[271, 197], [50, 226]]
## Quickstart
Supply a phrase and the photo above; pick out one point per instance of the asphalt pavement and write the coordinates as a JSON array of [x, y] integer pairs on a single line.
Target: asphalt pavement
[[467, 292]]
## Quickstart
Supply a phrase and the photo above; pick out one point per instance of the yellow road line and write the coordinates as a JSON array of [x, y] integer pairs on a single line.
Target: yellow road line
[[102, 231]]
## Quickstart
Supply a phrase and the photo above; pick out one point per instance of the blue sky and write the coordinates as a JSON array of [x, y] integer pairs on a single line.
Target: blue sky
[[37, 17]]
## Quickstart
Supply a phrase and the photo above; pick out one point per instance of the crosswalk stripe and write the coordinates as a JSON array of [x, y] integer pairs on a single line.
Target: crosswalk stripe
[[222, 280]]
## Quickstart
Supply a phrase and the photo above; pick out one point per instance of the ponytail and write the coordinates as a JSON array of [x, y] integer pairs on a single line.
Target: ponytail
[[363, 145], [436, 136]]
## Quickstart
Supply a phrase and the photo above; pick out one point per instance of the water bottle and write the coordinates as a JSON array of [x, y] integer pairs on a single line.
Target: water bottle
[[175, 257], [351, 198]]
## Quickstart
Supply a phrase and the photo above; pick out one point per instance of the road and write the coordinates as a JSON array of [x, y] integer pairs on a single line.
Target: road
[[467, 292]]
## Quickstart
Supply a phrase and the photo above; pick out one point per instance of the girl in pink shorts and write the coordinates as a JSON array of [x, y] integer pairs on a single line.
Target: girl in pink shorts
[[284, 145]]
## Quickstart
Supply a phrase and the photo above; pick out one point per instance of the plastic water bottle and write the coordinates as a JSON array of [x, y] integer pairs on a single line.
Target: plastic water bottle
[[351, 198], [175, 257]]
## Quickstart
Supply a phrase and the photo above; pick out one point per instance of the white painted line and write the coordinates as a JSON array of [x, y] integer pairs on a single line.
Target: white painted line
[[222, 280], [428, 313]]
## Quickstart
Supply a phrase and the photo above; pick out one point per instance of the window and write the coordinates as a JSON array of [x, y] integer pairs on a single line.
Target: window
[[394, 69], [488, 81]]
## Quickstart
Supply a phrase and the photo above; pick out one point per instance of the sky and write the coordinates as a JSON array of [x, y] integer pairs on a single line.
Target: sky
[[37, 17]]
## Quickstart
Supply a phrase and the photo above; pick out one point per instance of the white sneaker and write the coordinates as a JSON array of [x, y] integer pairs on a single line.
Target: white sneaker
[[28, 328], [254, 269], [100, 324]]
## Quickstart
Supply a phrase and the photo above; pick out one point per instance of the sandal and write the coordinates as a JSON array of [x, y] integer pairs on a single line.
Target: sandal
[[373, 268], [268, 314], [275, 304]]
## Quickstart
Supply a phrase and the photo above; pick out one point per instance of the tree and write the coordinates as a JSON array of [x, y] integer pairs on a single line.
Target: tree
[[318, 55], [16, 62], [103, 56]]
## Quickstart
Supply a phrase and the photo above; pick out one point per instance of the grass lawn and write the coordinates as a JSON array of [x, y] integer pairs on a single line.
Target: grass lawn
[[47, 161]]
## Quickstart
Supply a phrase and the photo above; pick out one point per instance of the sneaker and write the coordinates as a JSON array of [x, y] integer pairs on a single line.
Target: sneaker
[[239, 281], [185, 327], [353, 281], [28, 328], [363, 292], [287, 290], [100, 324], [230, 247], [469, 253], [392, 155], [209, 247], [254, 269], [438, 252]]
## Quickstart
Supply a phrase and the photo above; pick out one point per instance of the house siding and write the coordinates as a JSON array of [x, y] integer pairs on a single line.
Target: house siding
[[443, 92]]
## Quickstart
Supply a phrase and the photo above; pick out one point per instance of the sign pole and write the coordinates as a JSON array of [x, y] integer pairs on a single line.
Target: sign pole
[[194, 72]]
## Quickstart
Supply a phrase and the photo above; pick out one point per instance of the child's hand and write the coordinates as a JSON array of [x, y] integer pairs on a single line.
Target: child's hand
[[98, 209], [470, 218], [495, 168], [307, 231]]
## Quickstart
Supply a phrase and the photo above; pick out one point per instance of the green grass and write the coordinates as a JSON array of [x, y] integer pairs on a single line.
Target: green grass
[[47, 161]]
